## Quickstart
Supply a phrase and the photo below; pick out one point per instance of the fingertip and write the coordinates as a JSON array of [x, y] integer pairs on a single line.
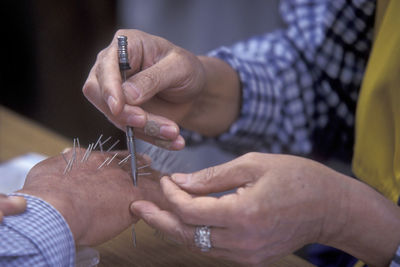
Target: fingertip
[[179, 143], [168, 186], [134, 208], [139, 207], [164, 182], [144, 209], [175, 145], [114, 105], [164, 179], [179, 178]]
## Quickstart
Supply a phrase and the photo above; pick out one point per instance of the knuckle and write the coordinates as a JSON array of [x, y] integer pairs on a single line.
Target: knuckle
[[183, 214], [209, 175], [101, 55], [251, 156], [247, 212], [120, 32], [183, 235], [88, 87], [152, 79], [250, 162], [254, 259]]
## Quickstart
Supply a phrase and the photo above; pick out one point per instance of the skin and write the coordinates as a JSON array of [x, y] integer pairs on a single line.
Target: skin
[[166, 86], [11, 205], [94, 202], [281, 204]]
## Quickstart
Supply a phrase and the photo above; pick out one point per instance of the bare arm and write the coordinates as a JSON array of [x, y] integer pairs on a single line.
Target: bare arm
[[370, 230], [281, 204], [218, 105]]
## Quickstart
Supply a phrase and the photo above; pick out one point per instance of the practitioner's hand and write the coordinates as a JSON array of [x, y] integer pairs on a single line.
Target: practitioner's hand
[[157, 68], [11, 205], [166, 86], [281, 204], [94, 202]]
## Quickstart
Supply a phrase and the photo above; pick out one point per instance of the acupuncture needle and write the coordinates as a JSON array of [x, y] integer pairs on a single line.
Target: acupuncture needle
[[124, 66]]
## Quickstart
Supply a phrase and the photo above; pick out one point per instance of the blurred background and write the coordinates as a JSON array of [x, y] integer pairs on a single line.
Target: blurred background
[[50, 46]]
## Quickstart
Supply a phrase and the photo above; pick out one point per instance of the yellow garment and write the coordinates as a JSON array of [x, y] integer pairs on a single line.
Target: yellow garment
[[376, 157]]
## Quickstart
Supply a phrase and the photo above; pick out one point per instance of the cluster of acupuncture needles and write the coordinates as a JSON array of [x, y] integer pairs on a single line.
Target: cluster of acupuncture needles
[[88, 151], [162, 160], [91, 147]]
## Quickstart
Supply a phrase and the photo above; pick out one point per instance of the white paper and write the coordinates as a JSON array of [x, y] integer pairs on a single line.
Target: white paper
[[14, 171]]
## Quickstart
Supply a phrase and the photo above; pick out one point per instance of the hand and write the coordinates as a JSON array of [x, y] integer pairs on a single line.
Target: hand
[[157, 67], [94, 202], [11, 205], [165, 86], [281, 204]]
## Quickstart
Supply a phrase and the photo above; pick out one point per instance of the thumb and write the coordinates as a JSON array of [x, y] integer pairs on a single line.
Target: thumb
[[12, 205], [214, 179], [145, 84], [141, 207]]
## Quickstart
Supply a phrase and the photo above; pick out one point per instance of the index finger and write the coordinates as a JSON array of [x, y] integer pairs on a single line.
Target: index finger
[[204, 210], [108, 73], [109, 78]]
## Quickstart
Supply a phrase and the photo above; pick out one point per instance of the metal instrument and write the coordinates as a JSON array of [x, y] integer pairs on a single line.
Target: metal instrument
[[124, 66], [130, 139]]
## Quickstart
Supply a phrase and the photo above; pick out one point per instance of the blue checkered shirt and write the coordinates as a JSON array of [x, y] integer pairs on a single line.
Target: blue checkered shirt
[[38, 237], [300, 84]]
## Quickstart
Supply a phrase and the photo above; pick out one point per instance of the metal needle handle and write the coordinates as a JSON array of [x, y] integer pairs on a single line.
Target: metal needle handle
[[123, 66]]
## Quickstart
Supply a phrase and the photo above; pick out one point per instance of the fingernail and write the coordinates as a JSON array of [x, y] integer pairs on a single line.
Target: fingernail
[[178, 144], [131, 91], [168, 131], [136, 120], [132, 207], [179, 178], [135, 209], [112, 104]]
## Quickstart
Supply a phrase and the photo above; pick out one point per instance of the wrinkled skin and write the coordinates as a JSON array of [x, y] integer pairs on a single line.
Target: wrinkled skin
[[281, 203], [95, 202]]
